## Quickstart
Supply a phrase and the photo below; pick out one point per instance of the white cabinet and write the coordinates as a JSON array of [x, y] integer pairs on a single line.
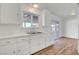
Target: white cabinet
[[19, 46], [46, 18], [36, 44], [10, 13], [23, 46], [41, 41], [9, 49], [8, 46], [48, 40]]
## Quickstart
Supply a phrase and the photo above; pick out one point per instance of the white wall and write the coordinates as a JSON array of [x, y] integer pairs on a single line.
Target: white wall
[[71, 28]]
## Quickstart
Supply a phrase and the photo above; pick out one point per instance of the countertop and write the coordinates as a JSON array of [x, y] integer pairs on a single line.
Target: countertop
[[18, 35], [13, 36]]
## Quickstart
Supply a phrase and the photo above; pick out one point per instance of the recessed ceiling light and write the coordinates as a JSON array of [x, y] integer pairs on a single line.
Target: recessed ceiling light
[[35, 6]]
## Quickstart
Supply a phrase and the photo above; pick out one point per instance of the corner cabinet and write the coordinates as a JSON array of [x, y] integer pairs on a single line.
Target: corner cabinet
[[10, 13]]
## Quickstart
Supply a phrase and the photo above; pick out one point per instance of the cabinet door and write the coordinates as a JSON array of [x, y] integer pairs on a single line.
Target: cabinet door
[[10, 13], [48, 18], [8, 50], [35, 44], [42, 41], [8, 46], [23, 46], [49, 40]]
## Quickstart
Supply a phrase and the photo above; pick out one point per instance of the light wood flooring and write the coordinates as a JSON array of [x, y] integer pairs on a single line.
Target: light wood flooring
[[63, 46]]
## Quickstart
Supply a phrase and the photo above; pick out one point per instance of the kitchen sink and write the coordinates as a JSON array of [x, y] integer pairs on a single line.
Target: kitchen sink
[[34, 33]]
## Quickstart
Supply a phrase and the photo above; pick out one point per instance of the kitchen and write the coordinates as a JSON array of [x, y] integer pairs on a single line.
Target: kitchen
[[27, 28]]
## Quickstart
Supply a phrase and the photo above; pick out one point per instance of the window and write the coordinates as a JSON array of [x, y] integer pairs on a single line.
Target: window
[[30, 20], [26, 25]]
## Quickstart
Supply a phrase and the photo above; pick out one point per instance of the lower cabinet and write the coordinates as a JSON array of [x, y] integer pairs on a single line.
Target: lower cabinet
[[39, 42], [42, 41], [48, 40], [34, 44], [8, 50], [25, 45], [8, 46], [15, 46]]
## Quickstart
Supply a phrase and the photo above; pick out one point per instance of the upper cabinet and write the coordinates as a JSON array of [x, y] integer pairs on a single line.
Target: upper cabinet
[[10, 13], [46, 17]]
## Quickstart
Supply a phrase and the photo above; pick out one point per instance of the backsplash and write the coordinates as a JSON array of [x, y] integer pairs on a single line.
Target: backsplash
[[6, 30]]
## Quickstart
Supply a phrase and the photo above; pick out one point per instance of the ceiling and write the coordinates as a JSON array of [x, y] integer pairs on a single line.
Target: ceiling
[[63, 10]]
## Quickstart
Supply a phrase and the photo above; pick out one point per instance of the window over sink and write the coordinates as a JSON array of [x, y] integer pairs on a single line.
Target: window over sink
[[30, 20]]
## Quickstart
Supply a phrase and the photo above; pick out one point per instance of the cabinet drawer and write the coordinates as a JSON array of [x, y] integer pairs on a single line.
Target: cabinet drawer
[[7, 42]]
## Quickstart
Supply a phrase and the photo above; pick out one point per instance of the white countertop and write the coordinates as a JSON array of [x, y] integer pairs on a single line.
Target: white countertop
[[11, 36], [17, 35]]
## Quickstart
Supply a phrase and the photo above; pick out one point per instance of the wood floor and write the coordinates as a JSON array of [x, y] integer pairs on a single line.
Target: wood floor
[[64, 46]]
